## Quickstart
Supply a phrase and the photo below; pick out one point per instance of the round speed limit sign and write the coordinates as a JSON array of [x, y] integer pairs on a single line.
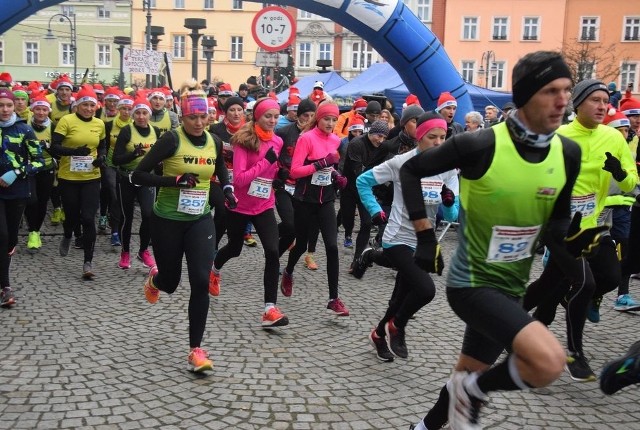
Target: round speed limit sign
[[273, 29]]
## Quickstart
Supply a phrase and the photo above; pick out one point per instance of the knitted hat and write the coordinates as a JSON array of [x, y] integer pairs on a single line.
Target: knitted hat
[[112, 93], [409, 113], [252, 80], [614, 118], [85, 94], [357, 123], [125, 100], [5, 79], [64, 81], [305, 106], [232, 101], [20, 92], [319, 84], [360, 105], [6, 94], [373, 107], [630, 106], [583, 89], [225, 90], [379, 127], [40, 100], [446, 99], [98, 88], [194, 103], [142, 103], [612, 86], [508, 106], [327, 109]]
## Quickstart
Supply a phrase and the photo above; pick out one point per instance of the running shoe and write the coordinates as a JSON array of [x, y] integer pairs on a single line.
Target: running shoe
[[33, 241], [337, 308], [622, 372], [593, 312], [274, 318], [379, 343], [464, 409], [199, 360], [286, 285], [250, 241], [151, 293], [348, 243], [578, 368], [626, 303], [115, 239], [65, 244], [147, 259], [214, 283], [125, 260], [87, 271], [395, 339], [362, 263], [78, 243], [7, 299], [310, 262], [102, 223], [57, 216]]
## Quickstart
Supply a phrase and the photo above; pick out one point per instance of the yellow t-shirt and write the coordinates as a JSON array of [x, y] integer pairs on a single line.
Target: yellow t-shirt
[[78, 133]]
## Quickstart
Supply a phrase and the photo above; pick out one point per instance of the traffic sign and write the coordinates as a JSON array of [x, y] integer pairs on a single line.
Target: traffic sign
[[271, 59], [273, 28]]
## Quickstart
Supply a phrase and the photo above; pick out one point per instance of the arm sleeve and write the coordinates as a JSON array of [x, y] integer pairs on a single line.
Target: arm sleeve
[[56, 149], [628, 165], [341, 124], [120, 154], [241, 174], [35, 150], [298, 169], [365, 184], [102, 147], [164, 148]]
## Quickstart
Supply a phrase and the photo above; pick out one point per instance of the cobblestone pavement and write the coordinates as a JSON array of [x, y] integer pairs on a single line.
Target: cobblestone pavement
[[95, 354]]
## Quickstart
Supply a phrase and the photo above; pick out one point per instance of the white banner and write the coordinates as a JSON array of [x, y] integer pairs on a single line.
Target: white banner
[[142, 61]]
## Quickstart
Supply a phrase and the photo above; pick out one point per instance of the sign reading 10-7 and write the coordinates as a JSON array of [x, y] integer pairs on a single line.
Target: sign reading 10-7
[[273, 28]]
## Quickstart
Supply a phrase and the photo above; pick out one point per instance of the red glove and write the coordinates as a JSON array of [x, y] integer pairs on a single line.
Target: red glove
[[327, 161], [339, 180]]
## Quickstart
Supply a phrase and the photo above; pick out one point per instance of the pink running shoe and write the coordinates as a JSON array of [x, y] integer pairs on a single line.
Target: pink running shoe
[[146, 258], [125, 260], [337, 308], [286, 285]]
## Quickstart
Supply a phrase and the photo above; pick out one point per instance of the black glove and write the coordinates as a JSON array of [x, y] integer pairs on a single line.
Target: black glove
[[583, 242], [277, 184], [448, 197], [379, 219], [612, 165], [271, 155], [230, 199], [428, 255], [99, 161], [283, 173], [187, 180], [138, 150], [82, 151]]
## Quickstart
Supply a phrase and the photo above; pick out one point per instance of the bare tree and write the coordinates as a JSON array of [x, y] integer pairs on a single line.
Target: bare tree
[[588, 59]]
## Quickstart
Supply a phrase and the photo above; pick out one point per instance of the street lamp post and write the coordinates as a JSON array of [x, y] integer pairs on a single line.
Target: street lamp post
[[195, 24], [146, 5], [121, 41], [488, 59], [156, 31], [209, 44], [74, 39]]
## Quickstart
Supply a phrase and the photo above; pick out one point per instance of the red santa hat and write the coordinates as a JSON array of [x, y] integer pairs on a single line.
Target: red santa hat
[[125, 100], [360, 105], [40, 100], [293, 102], [630, 106], [98, 88], [357, 123], [294, 90], [64, 81], [113, 93], [272, 95], [212, 104], [34, 86], [156, 92], [141, 103], [5, 79], [412, 99], [225, 90], [86, 94], [446, 99], [614, 118]]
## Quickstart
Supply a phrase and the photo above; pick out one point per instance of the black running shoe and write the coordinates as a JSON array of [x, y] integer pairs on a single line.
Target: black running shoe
[[622, 372], [382, 351], [362, 263], [7, 299], [578, 368], [78, 243], [395, 339]]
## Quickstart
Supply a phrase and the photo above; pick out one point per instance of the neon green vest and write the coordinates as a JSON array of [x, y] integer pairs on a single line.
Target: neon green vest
[[136, 139]]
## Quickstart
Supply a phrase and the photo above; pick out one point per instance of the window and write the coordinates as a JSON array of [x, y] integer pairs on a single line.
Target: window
[[470, 28], [530, 28], [424, 10], [66, 10], [304, 54], [497, 74], [303, 14], [31, 53], [237, 5], [208, 4], [589, 28], [500, 27], [325, 51], [179, 46], [468, 68], [152, 4], [362, 56], [103, 55], [103, 13], [66, 54], [178, 4], [236, 47], [628, 75], [632, 28], [586, 69]]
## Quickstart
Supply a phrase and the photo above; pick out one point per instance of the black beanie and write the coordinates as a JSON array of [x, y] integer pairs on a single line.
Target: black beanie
[[373, 107], [233, 101], [305, 106]]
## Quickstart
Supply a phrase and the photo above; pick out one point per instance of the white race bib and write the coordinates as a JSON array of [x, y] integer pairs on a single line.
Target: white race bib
[[289, 188], [431, 189], [81, 163], [511, 244], [322, 178], [585, 204], [260, 188], [192, 202]]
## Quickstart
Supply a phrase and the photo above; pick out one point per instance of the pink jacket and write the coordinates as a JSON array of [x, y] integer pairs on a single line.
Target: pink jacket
[[312, 145]]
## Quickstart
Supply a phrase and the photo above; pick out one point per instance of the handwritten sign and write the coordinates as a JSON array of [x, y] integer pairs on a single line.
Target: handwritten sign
[[142, 61]]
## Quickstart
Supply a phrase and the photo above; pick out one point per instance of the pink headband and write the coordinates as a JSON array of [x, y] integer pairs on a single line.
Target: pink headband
[[327, 109], [194, 104], [263, 106], [432, 123]]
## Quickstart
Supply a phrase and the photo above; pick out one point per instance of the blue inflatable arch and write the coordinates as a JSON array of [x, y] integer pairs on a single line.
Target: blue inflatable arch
[[403, 40]]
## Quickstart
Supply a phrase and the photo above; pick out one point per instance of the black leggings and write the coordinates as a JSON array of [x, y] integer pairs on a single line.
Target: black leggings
[[194, 239], [414, 288], [36, 210], [109, 196], [325, 213], [11, 211], [286, 228], [216, 201], [81, 200], [127, 195], [267, 229], [348, 203]]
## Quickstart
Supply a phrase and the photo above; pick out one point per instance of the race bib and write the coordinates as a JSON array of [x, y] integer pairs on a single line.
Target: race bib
[[81, 163], [511, 244], [260, 188], [322, 178], [192, 202], [431, 191], [585, 204], [290, 188]]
